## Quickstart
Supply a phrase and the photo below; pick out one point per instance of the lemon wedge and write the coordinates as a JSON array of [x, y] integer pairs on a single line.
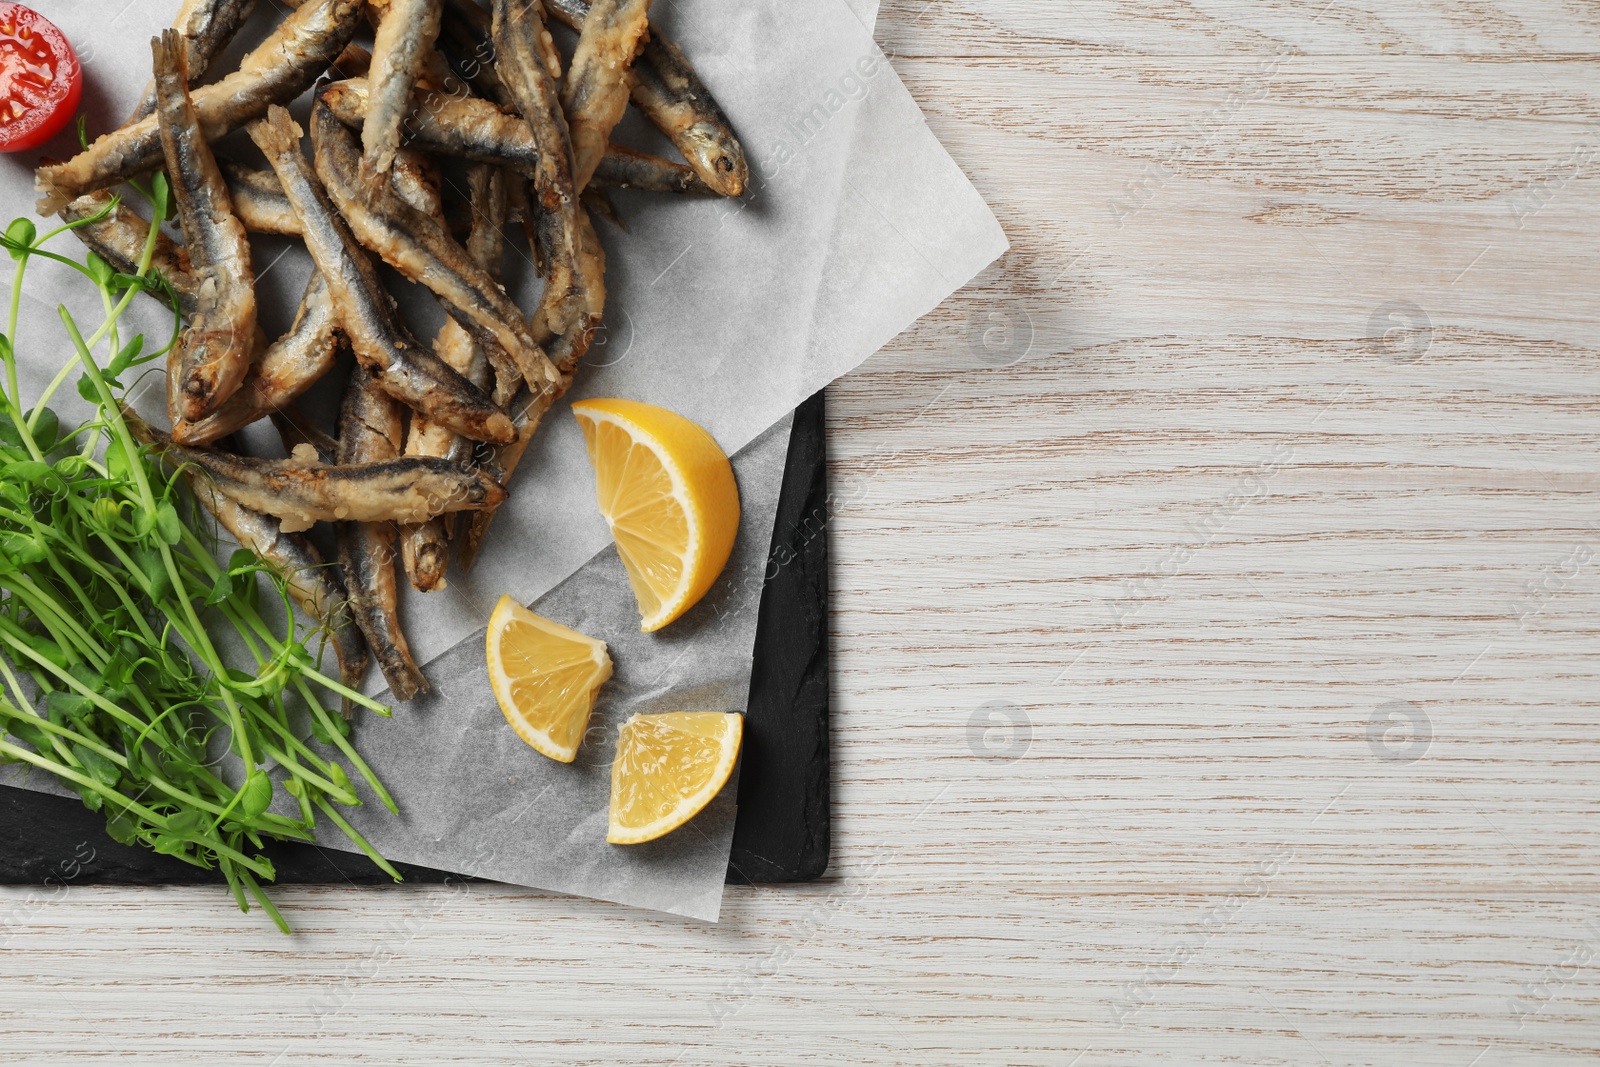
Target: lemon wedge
[[667, 491], [668, 768], [545, 676]]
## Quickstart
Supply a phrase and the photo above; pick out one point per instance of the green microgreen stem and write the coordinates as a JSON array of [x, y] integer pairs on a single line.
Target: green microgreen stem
[[115, 615]]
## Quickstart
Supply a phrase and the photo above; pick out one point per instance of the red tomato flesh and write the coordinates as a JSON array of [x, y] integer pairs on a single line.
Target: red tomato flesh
[[41, 80]]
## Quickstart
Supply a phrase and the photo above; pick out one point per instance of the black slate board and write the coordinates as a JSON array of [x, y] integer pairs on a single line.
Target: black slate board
[[782, 831]]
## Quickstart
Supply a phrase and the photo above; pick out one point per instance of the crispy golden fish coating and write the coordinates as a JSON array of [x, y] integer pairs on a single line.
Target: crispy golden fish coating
[[596, 91], [672, 96], [213, 353], [395, 490], [290, 366], [370, 431], [451, 125], [400, 48]]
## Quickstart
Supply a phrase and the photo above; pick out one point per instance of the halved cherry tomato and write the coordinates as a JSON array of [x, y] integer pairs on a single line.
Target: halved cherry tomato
[[41, 80]]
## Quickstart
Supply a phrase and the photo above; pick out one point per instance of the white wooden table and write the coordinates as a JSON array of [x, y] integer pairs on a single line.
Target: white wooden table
[[1215, 614]]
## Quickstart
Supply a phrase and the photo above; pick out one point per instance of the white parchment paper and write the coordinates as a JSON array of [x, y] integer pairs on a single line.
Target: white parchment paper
[[730, 312]]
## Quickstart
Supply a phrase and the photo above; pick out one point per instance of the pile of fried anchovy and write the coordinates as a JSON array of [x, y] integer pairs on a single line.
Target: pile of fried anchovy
[[428, 437]]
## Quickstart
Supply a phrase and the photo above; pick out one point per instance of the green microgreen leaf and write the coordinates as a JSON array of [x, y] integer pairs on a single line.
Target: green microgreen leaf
[[168, 526], [46, 428], [123, 828], [256, 795], [20, 236], [99, 269], [97, 766], [20, 549], [122, 361]]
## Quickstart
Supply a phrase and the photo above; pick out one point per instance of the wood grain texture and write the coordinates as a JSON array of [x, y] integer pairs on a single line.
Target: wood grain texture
[[1215, 614]]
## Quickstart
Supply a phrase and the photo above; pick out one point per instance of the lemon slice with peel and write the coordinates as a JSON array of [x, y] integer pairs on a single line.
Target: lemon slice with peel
[[545, 676], [667, 491], [668, 767]]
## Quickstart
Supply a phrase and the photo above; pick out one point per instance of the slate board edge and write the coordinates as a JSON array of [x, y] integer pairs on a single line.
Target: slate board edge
[[56, 841]]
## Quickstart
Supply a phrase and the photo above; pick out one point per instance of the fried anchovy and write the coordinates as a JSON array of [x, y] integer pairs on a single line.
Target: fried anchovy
[[596, 91], [624, 168], [370, 431], [671, 95], [213, 354], [520, 40], [423, 250], [285, 370], [280, 69], [405, 37], [567, 347], [424, 547], [402, 368], [529, 409], [314, 584], [207, 27], [300, 493], [453, 125], [258, 200], [119, 239]]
